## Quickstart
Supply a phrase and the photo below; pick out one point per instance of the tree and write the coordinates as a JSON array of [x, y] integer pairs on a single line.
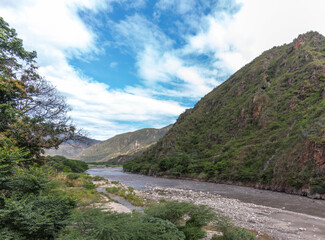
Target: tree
[[32, 113]]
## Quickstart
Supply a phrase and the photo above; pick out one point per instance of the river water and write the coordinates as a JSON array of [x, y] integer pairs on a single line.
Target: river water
[[289, 202]]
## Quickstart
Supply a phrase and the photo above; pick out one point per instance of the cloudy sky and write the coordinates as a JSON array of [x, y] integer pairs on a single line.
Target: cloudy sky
[[129, 64]]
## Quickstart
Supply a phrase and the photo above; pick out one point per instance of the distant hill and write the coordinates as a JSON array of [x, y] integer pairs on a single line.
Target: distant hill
[[71, 148], [122, 147], [263, 127]]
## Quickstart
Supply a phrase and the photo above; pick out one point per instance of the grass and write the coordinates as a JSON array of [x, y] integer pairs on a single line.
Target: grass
[[80, 187], [128, 194]]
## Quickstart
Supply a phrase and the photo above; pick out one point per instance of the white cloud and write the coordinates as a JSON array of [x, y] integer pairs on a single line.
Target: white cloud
[[159, 64], [55, 30], [228, 39], [158, 68], [113, 64], [230, 36], [259, 25], [179, 6], [137, 32], [95, 104]]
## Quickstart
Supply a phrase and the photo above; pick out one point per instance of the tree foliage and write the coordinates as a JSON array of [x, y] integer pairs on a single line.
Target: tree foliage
[[32, 117], [63, 164], [32, 113], [29, 206]]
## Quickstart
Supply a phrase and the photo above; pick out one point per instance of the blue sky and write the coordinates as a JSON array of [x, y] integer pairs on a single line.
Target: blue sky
[[129, 64]]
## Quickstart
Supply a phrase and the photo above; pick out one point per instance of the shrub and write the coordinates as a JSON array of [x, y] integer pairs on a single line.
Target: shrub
[[89, 185], [113, 190], [237, 233], [189, 218], [98, 178], [73, 176], [27, 181], [95, 224], [63, 164], [35, 217]]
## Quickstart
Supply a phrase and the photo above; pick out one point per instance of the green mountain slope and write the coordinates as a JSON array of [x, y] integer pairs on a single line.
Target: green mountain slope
[[264, 126], [123, 147]]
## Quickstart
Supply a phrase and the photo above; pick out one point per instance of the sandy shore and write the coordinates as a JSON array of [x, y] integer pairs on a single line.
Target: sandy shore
[[277, 223]]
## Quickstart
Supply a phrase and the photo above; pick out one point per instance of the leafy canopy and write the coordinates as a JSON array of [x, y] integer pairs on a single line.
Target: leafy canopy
[[32, 113]]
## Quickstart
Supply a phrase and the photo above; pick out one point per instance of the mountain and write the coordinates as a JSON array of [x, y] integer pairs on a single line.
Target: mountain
[[263, 127], [123, 147], [71, 148]]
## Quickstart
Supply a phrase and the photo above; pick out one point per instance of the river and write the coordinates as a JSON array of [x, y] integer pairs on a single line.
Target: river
[[267, 198]]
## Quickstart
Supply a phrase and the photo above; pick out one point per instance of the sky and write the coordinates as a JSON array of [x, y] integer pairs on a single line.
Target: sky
[[124, 65]]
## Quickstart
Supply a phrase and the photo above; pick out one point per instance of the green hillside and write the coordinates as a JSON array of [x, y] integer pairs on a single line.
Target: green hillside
[[264, 126], [122, 147]]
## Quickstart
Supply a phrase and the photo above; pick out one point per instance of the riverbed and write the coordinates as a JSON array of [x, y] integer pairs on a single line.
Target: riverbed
[[267, 198], [279, 215]]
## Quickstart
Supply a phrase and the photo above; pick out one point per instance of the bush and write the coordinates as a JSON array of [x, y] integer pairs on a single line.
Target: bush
[[35, 217], [189, 218], [113, 190], [98, 178], [8, 234], [198, 215], [236, 233], [73, 176], [95, 224], [27, 181], [30, 205], [63, 164], [89, 185], [317, 185], [10, 157]]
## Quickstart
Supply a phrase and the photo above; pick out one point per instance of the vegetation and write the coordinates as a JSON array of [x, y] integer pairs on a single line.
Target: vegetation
[[32, 117], [29, 207], [104, 164], [128, 194], [35, 201], [264, 126], [63, 164], [166, 221], [32, 113]]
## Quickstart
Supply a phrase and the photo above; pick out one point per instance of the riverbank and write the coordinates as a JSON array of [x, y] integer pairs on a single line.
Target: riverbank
[[280, 215], [305, 192], [267, 198], [277, 223]]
